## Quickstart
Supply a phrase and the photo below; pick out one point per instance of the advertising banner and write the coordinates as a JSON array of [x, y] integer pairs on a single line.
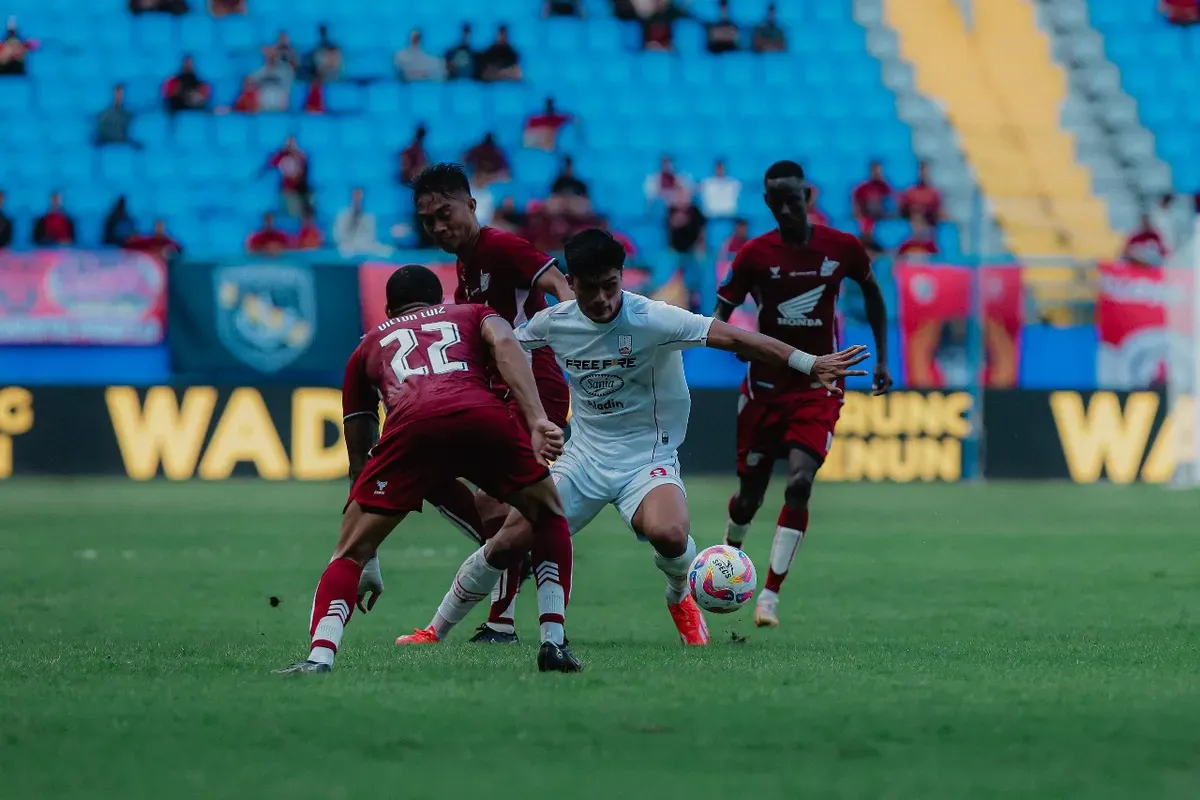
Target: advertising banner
[[372, 288], [80, 297], [1136, 343], [1085, 437], [254, 320], [934, 305]]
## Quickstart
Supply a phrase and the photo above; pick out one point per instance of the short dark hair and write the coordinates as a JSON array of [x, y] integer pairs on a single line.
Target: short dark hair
[[412, 284], [784, 169], [592, 252], [444, 178]]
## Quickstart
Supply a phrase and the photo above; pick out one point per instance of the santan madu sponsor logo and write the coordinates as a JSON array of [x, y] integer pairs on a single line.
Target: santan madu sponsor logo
[[1102, 439], [902, 436], [601, 385]]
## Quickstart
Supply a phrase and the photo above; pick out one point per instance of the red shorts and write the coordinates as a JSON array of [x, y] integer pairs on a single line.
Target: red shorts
[[485, 445], [768, 428]]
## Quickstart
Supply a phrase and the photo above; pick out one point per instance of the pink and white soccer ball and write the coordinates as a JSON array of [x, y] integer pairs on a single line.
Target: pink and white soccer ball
[[722, 579]]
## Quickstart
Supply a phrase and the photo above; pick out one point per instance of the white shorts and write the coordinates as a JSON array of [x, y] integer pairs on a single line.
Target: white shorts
[[586, 487]]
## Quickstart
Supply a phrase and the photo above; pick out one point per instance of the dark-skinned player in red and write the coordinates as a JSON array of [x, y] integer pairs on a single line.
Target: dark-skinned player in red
[[507, 273], [794, 274], [430, 364]]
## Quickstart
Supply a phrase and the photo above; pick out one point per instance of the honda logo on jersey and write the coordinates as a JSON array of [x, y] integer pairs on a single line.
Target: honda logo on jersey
[[774, 272], [828, 267], [795, 311]]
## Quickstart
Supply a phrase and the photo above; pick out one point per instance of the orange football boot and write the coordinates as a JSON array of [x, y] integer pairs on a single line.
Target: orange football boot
[[689, 621], [419, 636]]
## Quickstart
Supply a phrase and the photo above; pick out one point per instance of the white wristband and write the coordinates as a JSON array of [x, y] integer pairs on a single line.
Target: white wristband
[[802, 361]]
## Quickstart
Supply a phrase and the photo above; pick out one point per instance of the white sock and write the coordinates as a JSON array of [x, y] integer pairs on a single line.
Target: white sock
[[676, 570], [321, 655], [508, 612], [784, 548], [474, 581], [735, 534], [552, 632], [551, 600], [768, 599]]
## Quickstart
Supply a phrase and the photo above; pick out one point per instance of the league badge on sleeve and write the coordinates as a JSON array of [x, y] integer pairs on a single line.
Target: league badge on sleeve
[[624, 344]]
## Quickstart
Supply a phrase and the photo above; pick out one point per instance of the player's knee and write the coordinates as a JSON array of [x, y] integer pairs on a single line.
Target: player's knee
[[746, 503], [669, 538], [799, 488]]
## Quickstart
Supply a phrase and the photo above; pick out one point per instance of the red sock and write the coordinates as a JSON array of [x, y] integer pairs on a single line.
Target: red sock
[[504, 596], [456, 503], [552, 564], [333, 604], [792, 524]]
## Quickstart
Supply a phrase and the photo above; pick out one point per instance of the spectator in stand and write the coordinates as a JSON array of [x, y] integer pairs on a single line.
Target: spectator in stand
[[541, 130], [413, 64], [287, 54], [662, 184], [460, 59], [871, 199], [719, 193], [268, 239], [501, 61], [113, 123], [508, 217], [921, 199], [921, 242], [1145, 246], [274, 81], [158, 243], [118, 225], [413, 159], [325, 60], [562, 8], [6, 225], [722, 35], [736, 241], [354, 230], [55, 227], [185, 91], [487, 162], [1181, 12], [13, 50], [768, 36], [658, 25], [177, 7], [292, 164], [223, 8], [685, 235], [631, 250], [568, 184], [485, 203], [309, 237]]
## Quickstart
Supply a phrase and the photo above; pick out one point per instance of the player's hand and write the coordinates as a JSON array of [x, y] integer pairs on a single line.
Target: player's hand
[[828, 369], [370, 583], [883, 380], [547, 440]]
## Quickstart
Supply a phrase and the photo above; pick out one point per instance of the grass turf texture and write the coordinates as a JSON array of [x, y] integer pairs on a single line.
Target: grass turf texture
[[939, 642]]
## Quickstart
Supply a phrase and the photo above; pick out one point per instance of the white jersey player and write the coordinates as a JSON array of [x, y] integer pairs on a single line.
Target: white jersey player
[[630, 408]]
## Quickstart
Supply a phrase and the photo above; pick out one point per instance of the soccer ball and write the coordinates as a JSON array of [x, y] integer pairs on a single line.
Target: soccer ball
[[722, 579]]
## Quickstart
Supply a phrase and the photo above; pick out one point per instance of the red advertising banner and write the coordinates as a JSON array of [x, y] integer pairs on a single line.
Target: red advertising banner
[[82, 297], [1132, 308], [935, 303], [372, 288]]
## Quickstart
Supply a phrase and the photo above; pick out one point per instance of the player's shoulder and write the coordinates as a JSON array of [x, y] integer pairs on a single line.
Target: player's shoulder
[[824, 236], [760, 245], [501, 240]]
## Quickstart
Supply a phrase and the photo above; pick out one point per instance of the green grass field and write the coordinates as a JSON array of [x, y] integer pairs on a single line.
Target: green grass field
[[939, 642]]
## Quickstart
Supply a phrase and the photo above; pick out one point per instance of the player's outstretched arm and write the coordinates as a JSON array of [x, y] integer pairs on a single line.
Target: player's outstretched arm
[[552, 281], [757, 347], [518, 375], [723, 311]]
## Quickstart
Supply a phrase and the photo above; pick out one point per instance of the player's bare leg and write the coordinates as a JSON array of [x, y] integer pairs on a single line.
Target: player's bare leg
[[744, 504], [338, 591], [456, 502], [789, 533], [664, 520]]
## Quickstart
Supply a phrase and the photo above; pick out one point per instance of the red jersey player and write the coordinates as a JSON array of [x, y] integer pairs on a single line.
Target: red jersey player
[[510, 275], [428, 363], [794, 274]]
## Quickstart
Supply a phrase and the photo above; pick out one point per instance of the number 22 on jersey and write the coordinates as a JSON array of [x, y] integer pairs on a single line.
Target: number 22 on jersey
[[435, 352]]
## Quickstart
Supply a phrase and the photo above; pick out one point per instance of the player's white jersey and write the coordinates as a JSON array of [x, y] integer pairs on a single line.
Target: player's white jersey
[[629, 399]]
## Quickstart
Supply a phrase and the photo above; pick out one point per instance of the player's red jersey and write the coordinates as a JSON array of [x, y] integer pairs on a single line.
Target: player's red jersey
[[443, 418], [502, 272], [428, 363], [796, 290]]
